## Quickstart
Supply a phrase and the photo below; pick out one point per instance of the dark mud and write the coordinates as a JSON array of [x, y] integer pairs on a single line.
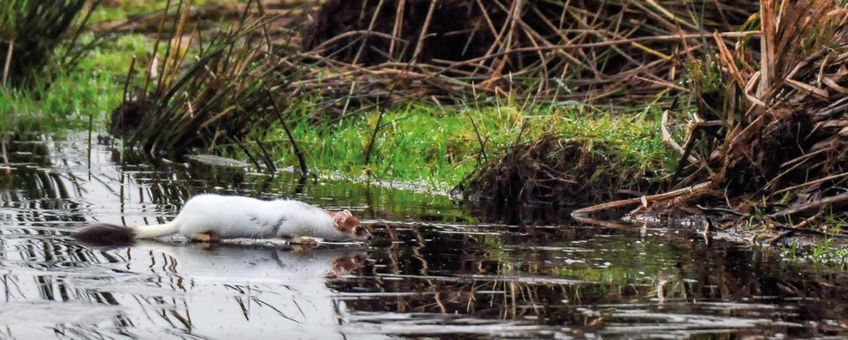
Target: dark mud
[[434, 268]]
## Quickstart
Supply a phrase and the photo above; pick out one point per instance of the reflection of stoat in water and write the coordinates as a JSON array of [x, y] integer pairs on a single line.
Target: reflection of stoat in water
[[235, 292], [227, 260], [212, 217]]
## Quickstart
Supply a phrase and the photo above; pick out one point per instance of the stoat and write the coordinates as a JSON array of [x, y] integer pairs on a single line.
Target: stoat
[[211, 217]]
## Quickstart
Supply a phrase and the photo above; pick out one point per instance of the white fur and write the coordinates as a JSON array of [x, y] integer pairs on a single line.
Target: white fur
[[245, 217]]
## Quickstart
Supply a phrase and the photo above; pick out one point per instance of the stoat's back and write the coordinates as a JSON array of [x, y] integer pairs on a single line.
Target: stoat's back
[[227, 216]]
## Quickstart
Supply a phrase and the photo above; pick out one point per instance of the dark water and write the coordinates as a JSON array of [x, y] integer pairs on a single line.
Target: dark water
[[434, 268]]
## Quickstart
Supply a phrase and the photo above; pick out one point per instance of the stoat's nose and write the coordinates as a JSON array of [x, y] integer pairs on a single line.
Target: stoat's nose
[[362, 233]]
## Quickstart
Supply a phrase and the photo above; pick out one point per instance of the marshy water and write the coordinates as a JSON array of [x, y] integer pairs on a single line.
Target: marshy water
[[434, 268]]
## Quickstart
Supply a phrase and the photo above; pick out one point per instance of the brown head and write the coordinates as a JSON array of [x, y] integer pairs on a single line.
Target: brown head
[[348, 224]]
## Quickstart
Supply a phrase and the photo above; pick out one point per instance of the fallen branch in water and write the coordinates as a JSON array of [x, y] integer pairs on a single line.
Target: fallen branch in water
[[697, 188], [832, 201]]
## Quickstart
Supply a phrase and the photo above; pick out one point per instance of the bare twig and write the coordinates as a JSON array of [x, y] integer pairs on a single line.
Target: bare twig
[[8, 63], [374, 136], [811, 183], [246, 151], [479, 138], [127, 87], [152, 67], [666, 137], [370, 28], [300, 158], [691, 190], [424, 29]]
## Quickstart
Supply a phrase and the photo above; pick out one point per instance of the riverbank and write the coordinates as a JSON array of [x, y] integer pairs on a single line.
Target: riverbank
[[510, 134]]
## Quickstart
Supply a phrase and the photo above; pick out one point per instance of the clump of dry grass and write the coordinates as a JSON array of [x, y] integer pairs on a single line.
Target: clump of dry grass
[[551, 169], [793, 104], [214, 98]]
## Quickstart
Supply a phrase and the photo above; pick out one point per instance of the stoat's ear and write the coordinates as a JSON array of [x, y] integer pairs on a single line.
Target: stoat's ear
[[341, 221]]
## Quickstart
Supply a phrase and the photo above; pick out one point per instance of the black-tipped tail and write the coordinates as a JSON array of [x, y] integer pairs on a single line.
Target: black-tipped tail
[[103, 234]]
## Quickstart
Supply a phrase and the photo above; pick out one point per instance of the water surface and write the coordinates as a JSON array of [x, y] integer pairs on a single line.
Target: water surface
[[434, 268]]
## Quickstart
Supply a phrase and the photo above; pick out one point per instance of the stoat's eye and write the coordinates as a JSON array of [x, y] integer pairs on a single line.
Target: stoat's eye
[[360, 231]]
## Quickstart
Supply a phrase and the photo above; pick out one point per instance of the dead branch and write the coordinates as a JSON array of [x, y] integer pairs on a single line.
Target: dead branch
[[690, 190]]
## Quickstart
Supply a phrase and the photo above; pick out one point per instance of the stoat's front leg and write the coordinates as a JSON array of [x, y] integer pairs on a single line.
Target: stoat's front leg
[[207, 237], [306, 241]]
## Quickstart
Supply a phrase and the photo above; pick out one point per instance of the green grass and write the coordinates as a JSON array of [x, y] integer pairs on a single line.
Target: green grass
[[438, 147], [94, 87]]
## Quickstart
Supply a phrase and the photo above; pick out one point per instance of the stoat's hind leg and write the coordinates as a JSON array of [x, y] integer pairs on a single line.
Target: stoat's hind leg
[[207, 237]]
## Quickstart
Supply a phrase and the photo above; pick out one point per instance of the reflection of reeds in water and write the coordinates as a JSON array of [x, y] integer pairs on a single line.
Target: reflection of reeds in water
[[416, 281], [460, 277], [33, 193], [42, 274]]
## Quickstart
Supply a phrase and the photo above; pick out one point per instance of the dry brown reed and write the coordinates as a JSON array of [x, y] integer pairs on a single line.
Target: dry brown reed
[[582, 50]]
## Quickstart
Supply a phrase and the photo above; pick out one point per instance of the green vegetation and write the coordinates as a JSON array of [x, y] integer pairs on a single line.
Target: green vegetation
[[34, 39], [94, 88], [438, 146], [57, 75], [419, 142]]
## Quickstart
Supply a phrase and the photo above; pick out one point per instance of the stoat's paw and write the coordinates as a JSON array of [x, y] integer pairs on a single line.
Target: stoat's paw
[[207, 237], [305, 241]]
